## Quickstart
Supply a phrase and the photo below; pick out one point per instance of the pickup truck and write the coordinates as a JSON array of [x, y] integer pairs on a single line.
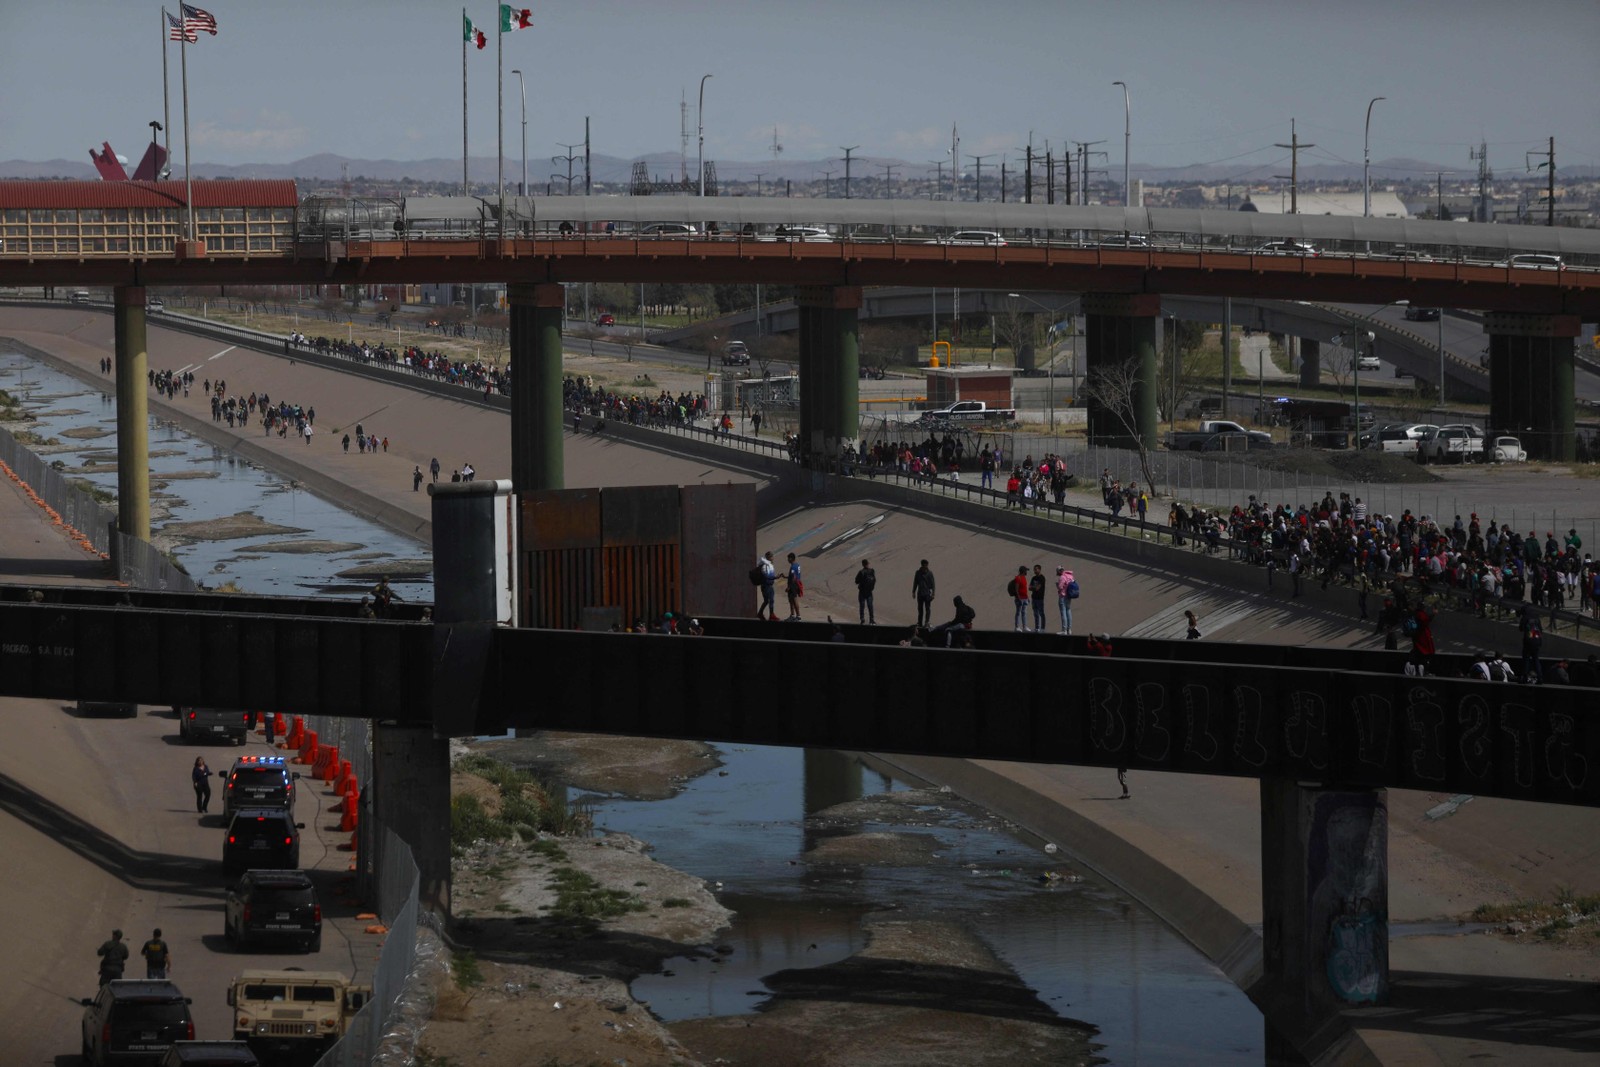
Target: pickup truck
[[1217, 434], [1450, 444], [969, 411], [216, 724]]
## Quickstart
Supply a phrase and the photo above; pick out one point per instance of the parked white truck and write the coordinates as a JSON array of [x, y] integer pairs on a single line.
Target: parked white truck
[[969, 411], [1217, 435]]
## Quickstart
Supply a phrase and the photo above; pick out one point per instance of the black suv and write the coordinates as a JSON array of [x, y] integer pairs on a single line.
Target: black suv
[[210, 1054], [258, 782], [262, 839], [275, 906], [134, 1021]]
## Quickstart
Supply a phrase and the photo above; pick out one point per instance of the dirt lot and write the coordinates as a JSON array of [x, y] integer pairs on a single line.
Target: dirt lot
[[529, 989]]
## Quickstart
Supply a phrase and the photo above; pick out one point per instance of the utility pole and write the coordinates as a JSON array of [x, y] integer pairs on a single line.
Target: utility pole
[[1002, 179], [847, 152], [827, 184], [759, 175], [1294, 147], [1085, 153], [977, 190], [1485, 177], [955, 164], [1027, 172], [588, 183], [570, 158], [888, 180], [1050, 178], [938, 181], [1550, 196]]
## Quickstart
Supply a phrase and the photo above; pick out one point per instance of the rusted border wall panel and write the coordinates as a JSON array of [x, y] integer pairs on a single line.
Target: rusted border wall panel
[[718, 539], [639, 515]]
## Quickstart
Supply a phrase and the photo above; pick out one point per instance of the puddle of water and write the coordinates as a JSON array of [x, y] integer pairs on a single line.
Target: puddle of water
[[231, 486], [1088, 952]]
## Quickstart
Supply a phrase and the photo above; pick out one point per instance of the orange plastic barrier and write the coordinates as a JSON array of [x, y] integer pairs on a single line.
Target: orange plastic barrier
[[329, 764], [349, 819], [308, 749]]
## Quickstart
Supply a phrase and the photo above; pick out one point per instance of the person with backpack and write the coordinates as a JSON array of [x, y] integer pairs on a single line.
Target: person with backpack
[[1066, 592], [765, 575]]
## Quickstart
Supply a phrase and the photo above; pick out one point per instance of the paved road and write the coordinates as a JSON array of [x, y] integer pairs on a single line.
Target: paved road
[[1206, 830]]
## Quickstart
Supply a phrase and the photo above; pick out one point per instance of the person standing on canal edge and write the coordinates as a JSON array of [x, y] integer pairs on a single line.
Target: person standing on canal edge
[[795, 588], [922, 584], [416, 479], [1036, 586], [866, 582], [433, 466], [769, 579], [1018, 588]]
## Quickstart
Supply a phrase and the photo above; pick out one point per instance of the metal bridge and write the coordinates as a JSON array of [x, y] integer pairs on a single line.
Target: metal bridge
[[1344, 718]]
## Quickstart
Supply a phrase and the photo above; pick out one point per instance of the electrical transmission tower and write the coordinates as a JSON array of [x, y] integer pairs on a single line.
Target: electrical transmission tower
[[1550, 194], [1485, 210]]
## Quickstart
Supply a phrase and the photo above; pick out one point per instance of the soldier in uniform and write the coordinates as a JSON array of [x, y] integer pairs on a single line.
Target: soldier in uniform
[[113, 957]]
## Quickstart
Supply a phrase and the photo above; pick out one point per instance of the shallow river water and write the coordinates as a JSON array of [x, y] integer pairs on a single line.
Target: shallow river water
[[1088, 952]]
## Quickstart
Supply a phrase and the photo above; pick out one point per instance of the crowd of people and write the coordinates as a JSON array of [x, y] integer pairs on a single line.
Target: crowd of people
[[580, 395], [473, 374]]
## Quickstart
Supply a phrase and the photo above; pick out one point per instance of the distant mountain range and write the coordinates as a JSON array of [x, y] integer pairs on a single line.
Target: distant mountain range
[[614, 171]]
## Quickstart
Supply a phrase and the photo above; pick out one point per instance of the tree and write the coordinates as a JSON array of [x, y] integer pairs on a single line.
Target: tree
[[774, 348], [1018, 330], [883, 344], [1114, 389], [1339, 363], [1185, 346], [590, 334]]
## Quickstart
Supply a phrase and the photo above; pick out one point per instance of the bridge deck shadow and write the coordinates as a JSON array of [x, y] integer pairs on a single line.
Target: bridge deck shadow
[[1490, 1008]]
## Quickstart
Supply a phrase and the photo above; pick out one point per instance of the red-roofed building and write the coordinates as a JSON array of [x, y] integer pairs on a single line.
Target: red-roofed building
[[139, 219]]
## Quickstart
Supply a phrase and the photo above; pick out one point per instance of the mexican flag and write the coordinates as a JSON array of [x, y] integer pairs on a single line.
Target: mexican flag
[[472, 34], [515, 18]]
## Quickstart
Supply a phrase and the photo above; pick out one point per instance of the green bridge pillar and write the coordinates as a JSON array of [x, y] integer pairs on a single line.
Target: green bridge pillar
[[133, 413], [537, 454], [1121, 333], [1324, 909], [1530, 381], [830, 387]]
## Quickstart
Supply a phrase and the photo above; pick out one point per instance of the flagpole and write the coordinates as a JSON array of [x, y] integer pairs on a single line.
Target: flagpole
[[183, 63], [466, 188], [166, 97], [499, 120]]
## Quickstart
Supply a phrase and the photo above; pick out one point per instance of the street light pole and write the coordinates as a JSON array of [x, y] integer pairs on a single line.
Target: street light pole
[[1127, 134], [1441, 359], [522, 92], [700, 122], [1366, 161]]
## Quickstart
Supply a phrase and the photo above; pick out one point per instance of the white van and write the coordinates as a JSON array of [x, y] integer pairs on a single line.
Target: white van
[[80, 296]]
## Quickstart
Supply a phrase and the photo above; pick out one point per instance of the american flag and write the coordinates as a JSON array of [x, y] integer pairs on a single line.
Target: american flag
[[177, 31], [195, 18]]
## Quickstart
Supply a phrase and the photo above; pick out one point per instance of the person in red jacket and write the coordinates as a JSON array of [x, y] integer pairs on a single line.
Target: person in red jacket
[[1420, 630]]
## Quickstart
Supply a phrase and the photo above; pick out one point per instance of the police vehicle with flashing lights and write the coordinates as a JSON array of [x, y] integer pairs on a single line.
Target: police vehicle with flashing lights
[[258, 782]]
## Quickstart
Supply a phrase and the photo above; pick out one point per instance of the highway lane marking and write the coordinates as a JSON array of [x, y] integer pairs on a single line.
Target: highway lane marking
[[854, 531]]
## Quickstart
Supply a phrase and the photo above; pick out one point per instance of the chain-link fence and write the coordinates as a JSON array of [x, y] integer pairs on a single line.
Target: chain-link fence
[[396, 881]]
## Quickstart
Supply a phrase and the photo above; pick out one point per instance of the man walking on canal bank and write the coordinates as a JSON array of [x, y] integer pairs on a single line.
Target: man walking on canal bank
[[433, 467], [416, 479]]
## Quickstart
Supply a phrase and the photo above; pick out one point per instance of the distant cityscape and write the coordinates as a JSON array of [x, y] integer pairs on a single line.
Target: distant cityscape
[[1427, 192]]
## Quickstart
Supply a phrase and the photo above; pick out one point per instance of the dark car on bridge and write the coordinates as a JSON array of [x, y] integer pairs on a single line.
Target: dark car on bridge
[[262, 839], [275, 906], [1422, 314], [134, 1021]]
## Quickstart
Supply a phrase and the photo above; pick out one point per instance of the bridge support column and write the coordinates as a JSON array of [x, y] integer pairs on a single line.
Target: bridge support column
[[537, 455], [1530, 381], [1310, 361], [1122, 335], [1325, 906], [133, 413], [830, 387]]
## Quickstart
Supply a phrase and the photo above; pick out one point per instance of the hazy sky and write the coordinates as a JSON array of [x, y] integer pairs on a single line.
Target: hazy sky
[[1211, 81]]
